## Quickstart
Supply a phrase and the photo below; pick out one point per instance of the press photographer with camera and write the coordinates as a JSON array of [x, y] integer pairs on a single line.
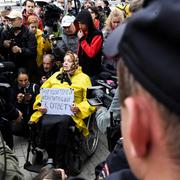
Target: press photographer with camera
[[24, 93], [8, 110], [19, 45], [68, 39]]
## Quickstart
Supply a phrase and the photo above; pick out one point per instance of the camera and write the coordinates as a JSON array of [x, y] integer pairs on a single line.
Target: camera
[[7, 67], [94, 94], [54, 39], [12, 43], [27, 97]]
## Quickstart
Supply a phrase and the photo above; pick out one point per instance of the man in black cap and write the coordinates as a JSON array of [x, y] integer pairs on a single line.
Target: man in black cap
[[149, 70]]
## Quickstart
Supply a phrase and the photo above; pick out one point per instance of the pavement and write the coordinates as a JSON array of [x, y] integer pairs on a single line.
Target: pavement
[[20, 148]]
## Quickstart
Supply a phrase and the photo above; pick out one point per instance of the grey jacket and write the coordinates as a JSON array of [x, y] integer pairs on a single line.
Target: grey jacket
[[103, 114], [68, 42]]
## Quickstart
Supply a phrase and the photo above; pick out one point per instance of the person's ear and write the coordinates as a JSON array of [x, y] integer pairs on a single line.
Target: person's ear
[[138, 126]]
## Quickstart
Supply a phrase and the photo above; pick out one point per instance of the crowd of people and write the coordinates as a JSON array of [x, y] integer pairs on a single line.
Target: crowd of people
[[38, 51], [84, 43]]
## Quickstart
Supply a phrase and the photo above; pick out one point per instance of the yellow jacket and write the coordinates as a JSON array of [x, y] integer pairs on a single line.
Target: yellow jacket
[[43, 45], [80, 83], [124, 7], [40, 46]]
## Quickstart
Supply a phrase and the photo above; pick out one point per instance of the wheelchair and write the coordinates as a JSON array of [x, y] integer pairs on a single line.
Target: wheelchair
[[79, 149]]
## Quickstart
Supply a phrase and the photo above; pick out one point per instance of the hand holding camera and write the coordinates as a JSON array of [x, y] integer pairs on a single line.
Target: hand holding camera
[[23, 97], [7, 43], [16, 49], [20, 97]]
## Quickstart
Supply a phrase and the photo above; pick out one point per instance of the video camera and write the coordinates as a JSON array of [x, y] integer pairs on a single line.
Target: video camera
[[7, 67], [103, 93], [54, 39], [52, 15]]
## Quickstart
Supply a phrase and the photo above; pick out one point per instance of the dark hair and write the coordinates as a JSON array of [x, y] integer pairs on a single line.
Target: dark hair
[[106, 2], [22, 71], [32, 1], [84, 17], [8, 8], [95, 10], [48, 174]]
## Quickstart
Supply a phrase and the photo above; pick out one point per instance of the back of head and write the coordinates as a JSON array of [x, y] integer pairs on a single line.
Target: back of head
[[152, 29], [94, 9], [149, 44]]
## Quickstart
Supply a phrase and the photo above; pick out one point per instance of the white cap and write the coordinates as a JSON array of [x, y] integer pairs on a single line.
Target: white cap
[[67, 20], [14, 14]]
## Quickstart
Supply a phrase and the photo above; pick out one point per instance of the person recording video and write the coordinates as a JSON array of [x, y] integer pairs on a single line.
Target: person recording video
[[8, 110], [24, 93]]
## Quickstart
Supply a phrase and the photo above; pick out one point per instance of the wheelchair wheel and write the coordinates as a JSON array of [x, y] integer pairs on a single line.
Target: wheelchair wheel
[[91, 141], [74, 164]]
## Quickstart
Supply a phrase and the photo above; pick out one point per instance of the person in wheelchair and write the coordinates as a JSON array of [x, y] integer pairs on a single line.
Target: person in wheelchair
[[54, 129]]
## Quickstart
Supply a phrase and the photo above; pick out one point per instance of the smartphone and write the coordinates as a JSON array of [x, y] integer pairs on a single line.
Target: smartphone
[[27, 96], [95, 102]]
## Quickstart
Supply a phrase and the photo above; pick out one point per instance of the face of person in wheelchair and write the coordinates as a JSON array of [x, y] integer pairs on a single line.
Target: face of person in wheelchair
[[70, 63]]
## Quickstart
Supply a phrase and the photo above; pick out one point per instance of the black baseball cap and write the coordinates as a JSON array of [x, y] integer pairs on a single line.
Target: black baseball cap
[[149, 44]]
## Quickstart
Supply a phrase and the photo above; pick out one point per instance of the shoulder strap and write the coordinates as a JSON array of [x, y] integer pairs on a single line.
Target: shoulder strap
[[33, 88]]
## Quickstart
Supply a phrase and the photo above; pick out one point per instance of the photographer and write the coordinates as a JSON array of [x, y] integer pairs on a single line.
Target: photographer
[[69, 39], [8, 111], [19, 44], [25, 93]]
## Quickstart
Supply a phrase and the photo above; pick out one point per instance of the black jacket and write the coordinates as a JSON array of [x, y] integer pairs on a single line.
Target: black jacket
[[90, 65], [8, 109], [25, 40], [26, 106]]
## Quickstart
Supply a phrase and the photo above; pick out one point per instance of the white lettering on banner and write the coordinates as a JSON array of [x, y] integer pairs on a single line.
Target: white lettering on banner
[[57, 100]]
